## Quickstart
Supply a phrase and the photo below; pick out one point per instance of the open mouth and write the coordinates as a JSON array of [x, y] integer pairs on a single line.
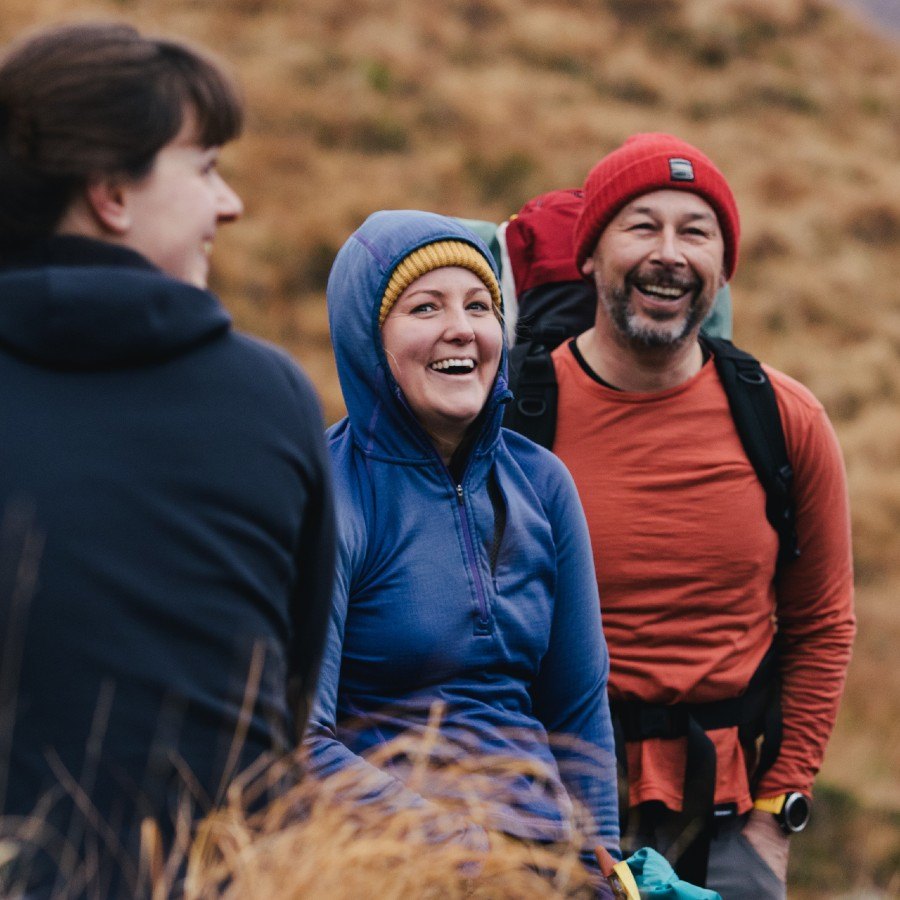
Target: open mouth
[[664, 291], [453, 366]]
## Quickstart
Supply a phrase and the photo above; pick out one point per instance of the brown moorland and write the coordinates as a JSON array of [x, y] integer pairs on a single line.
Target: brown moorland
[[468, 107]]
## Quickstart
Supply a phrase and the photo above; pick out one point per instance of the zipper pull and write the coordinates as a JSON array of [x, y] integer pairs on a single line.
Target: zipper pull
[[459, 493]]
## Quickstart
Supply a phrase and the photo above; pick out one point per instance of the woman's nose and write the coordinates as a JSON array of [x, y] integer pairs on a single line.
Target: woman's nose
[[229, 205], [458, 327]]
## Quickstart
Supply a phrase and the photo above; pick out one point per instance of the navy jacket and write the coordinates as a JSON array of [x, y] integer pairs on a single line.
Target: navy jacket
[[479, 594], [167, 541]]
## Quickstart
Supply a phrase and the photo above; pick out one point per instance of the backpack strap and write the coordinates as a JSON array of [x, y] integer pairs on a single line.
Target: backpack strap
[[751, 399], [754, 409], [532, 379]]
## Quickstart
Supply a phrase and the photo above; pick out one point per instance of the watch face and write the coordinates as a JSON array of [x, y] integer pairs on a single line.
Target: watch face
[[795, 812]]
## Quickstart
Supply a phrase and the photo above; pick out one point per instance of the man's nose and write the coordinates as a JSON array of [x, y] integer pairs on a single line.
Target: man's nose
[[668, 248]]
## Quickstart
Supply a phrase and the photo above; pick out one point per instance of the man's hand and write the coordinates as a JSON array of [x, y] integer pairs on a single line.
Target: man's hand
[[766, 837]]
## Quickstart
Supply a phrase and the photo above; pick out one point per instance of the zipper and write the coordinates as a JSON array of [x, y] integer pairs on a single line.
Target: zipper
[[483, 625]]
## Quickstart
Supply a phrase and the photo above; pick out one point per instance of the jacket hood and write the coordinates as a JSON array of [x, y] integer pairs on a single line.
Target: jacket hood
[[100, 316], [382, 422]]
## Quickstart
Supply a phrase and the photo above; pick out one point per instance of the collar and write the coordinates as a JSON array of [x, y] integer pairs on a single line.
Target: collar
[[72, 250]]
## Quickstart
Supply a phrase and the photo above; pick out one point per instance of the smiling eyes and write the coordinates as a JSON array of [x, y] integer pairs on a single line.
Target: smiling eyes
[[476, 306], [648, 227]]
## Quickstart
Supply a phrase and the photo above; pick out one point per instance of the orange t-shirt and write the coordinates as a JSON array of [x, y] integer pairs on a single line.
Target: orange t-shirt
[[685, 560]]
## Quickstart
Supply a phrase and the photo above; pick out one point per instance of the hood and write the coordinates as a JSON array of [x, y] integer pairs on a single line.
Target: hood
[[381, 421], [94, 316]]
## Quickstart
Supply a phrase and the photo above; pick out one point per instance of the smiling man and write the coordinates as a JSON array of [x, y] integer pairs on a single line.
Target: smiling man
[[696, 609]]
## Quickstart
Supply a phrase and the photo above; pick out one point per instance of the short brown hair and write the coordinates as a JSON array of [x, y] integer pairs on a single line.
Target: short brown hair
[[78, 101]]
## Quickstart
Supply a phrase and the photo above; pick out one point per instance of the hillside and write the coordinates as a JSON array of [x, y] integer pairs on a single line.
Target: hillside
[[468, 107], [881, 14]]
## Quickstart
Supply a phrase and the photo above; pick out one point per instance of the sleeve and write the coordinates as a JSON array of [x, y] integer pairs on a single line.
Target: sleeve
[[570, 691], [814, 598], [314, 560], [313, 551]]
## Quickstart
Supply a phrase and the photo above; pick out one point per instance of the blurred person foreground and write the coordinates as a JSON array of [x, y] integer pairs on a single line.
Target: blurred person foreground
[[331, 838], [163, 475]]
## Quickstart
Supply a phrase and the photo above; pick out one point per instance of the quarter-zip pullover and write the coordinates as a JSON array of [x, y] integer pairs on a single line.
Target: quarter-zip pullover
[[474, 591]]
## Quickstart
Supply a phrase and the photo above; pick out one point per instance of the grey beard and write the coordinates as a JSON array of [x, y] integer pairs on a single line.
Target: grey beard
[[642, 334]]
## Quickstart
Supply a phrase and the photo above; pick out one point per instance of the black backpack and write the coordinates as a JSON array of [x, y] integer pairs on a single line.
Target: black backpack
[[751, 398]]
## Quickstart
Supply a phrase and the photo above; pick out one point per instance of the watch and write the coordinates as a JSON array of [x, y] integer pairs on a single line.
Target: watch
[[791, 810]]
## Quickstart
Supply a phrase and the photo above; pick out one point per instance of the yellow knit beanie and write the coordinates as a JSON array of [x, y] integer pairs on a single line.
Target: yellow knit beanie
[[435, 256]]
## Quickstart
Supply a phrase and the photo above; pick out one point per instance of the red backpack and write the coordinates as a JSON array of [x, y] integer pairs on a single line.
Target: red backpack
[[552, 299]]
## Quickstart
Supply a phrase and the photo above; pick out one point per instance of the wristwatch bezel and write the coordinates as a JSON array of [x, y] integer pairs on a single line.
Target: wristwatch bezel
[[795, 814]]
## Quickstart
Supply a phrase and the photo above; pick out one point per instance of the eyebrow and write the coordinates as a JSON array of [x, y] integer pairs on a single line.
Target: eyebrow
[[651, 211], [437, 292]]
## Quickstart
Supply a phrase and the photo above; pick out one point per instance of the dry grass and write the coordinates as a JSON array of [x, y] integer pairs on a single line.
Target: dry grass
[[340, 848], [469, 106], [330, 839]]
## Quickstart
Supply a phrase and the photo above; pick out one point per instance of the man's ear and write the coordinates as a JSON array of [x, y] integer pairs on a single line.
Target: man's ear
[[587, 267], [107, 200]]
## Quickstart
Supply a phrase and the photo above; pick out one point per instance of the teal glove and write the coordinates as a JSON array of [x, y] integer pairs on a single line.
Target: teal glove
[[657, 880]]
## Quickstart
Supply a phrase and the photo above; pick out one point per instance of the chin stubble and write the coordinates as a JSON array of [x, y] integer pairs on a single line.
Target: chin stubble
[[643, 334]]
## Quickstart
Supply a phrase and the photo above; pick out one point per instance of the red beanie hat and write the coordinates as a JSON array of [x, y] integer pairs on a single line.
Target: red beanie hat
[[653, 162]]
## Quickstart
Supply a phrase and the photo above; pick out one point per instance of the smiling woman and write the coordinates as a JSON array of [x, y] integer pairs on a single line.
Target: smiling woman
[[108, 135], [464, 572], [174, 471], [169, 216], [443, 340]]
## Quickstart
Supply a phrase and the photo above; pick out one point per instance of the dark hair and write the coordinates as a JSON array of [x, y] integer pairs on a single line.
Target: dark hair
[[79, 101]]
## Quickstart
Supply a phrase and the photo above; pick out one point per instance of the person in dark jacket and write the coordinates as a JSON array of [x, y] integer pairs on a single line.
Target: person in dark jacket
[[166, 546], [464, 565]]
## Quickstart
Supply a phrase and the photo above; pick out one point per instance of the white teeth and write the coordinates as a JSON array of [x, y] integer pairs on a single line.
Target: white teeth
[[443, 364], [208, 247], [658, 290]]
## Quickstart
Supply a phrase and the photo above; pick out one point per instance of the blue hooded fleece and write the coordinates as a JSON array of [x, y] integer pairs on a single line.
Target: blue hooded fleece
[[479, 594]]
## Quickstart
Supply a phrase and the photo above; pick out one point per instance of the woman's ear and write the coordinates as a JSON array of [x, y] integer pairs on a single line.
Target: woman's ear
[[107, 201]]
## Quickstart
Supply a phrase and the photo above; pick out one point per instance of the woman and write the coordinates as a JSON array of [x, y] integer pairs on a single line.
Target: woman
[[167, 476], [464, 573]]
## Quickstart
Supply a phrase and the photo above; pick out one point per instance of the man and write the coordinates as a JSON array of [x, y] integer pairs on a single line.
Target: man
[[166, 555], [692, 595]]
